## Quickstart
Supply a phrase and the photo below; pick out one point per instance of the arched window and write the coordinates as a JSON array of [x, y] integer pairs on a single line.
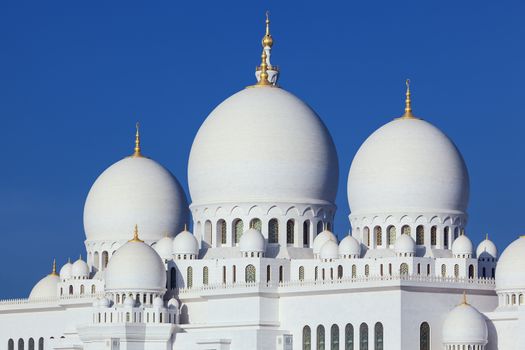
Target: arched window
[[363, 336], [173, 278], [443, 270], [484, 272], [41, 344], [471, 271], [420, 235], [238, 227], [189, 277], [339, 271], [273, 231], [378, 336], [10, 344], [20, 344], [249, 274], [207, 233], [378, 235], [82, 289], [334, 337], [281, 274], [456, 270], [424, 336], [301, 273], [403, 269], [70, 290], [366, 236], [433, 235], [456, 232], [349, 337], [290, 228], [224, 275], [367, 270], [96, 261], [307, 338], [256, 224], [31, 344], [445, 236], [391, 230], [419, 269], [105, 259], [205, 274], [221, 230], [319, 227], [234, 274], [93, 289], [405, 230], [354, 271], [320, 338], [316, 273], [306, 233], [322, 274]]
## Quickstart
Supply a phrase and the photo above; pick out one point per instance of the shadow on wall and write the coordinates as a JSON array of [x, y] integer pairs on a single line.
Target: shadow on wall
[[493, 335]]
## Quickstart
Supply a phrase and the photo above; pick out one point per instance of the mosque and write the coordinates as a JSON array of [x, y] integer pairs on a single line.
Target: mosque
[[263, 268]]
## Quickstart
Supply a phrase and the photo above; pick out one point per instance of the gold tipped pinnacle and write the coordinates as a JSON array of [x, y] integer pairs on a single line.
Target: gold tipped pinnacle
[[54, 269], [136, 235], [267, 40], [486, 236], [408, 103], [464, 301], [137, 152]]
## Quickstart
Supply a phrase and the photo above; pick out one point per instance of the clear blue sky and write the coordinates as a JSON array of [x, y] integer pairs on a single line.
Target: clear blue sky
[[75, 76]]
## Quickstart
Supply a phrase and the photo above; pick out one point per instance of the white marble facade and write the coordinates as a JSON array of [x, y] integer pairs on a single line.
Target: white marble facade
[[263, 268]]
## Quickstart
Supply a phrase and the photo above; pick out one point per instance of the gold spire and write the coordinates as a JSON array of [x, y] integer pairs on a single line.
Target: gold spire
[[267, 40], [464, 301], [54, 270], [486, 236], [136, 235], [137, 152], [408, 104]]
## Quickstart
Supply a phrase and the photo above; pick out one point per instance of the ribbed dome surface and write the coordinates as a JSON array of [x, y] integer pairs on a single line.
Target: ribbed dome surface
[[408, 165], [269, 146]]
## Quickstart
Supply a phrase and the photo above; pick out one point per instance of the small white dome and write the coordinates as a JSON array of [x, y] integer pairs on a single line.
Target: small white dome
[[408, 165], [252, 240], [66, 271], [129, 301], [274, 146], [104, 302], [462, 246], [185, 243], [80, 269], [465, 325], [349, 247], [136, 267], [164, 247], [158, 302], [510, 267], [173, 303], [135, 190], [405, 244], [321, 239], [329, 250], [487, 249], [46, 288]]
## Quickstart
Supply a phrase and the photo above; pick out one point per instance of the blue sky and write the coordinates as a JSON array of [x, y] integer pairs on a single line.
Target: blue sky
[[75, 76]]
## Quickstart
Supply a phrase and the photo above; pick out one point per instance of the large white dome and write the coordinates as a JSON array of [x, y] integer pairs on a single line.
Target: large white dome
[[408, 165], [136, 267], [46, 288], [511, 264], [269, 146], [135, 190]]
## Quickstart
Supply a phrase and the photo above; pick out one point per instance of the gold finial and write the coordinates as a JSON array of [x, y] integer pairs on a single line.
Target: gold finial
[[54, 270], [69, 260], [464, 301], [185, 227], [408, 104], [263, 77], [137, 152], [136, 235], [267, 40], [486, 236]]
